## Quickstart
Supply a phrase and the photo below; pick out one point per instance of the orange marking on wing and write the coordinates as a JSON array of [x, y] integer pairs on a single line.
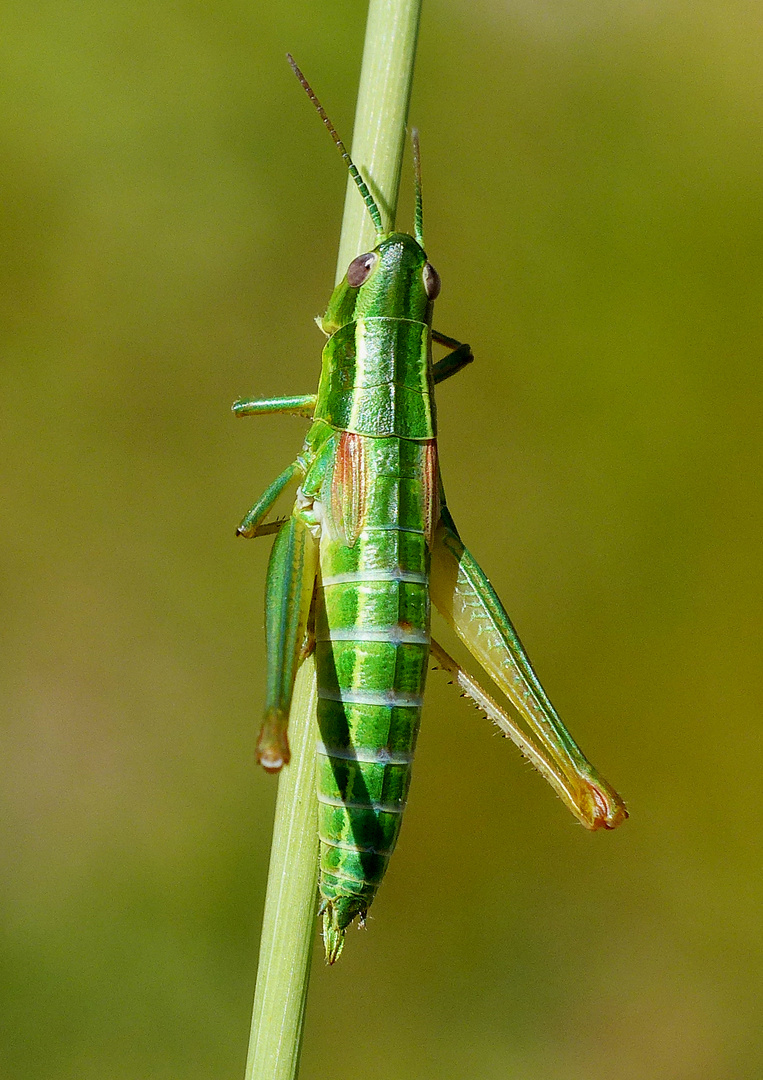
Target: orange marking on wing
[[350, 486], [431, 486]]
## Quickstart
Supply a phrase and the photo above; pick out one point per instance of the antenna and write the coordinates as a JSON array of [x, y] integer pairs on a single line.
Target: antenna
[[418, 217], [368, 198]]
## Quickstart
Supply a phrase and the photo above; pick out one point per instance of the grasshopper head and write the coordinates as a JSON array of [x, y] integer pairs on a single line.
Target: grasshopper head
[[395, 280]]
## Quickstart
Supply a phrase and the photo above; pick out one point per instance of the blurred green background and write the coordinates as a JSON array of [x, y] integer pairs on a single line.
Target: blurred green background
[[170, 216]]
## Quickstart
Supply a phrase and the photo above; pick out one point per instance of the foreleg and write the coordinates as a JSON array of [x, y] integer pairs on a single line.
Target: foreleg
[[301, 405], [459, 356]]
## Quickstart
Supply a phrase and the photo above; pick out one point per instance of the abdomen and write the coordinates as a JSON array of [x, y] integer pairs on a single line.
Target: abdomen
[[372, 649]]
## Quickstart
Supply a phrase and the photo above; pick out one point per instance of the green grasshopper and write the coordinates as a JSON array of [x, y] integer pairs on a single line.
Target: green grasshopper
[[368, 545]]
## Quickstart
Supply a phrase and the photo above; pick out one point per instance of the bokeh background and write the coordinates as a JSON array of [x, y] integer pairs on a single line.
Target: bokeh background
[[170, 216]]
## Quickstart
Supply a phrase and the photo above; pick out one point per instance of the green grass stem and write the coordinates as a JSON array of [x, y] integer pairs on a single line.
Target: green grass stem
[[288, 926], [289, 922], [381, 116]]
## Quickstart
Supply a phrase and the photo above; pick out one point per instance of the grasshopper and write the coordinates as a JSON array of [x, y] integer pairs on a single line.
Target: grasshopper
[[369, 545]]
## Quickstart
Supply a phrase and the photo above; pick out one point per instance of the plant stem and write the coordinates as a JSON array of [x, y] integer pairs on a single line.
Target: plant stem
[[381, 116], [288, 925]]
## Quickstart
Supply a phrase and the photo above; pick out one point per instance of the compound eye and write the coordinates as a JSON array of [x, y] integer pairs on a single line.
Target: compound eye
[[360, 268], [432, 282]]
